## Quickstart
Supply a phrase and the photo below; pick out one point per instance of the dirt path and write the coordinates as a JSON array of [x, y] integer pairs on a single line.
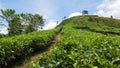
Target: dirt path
[[35, 58], [58, 37]]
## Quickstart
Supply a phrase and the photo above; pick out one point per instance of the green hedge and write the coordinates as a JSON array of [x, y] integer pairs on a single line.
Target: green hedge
[[18, 47], [83, 49]]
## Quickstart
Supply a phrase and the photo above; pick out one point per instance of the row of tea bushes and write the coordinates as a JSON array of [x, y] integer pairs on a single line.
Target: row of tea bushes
[[14, 48]]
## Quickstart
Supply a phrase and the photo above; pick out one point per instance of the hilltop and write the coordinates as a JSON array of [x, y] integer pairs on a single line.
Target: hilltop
[[95, 23]]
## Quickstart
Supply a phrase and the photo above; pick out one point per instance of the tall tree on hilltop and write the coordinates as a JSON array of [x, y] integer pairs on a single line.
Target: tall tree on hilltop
[[84, 12]]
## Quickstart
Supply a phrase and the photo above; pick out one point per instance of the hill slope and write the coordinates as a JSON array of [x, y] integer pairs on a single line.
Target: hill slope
[[16, 48], [86, 42]]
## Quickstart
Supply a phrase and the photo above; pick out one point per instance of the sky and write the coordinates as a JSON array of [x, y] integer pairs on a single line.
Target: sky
[[54, 10]]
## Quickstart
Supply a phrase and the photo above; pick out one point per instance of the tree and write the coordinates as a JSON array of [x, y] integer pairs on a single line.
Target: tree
[[7, 14], [15, 27], [32, 22], [84, 12], [27, 18], [38, 21], [111, 17], [21, 22]]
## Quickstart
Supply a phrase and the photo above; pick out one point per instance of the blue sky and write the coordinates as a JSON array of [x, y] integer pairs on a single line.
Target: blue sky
[[55, 10]]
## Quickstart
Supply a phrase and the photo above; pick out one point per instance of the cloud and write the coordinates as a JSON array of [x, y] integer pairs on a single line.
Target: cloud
[[3, 30], [108, 8], [53, 23], [74, 14], [48, 9], [50, 25]]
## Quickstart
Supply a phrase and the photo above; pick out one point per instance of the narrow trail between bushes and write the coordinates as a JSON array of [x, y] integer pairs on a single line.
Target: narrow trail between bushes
[[29, 61]]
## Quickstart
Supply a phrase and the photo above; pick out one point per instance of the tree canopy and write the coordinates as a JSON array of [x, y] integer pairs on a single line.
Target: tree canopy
[[21, 23], [84, 12]]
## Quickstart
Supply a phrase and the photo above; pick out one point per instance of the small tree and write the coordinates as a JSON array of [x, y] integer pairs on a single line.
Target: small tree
[[84, 12], [111, 17]]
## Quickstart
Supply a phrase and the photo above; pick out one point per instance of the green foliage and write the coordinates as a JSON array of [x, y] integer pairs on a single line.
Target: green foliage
[[15, 27], [94, 25], [84, 12], [7, 14], [84, 44], [18, 23], [90, 19], [79, 48], [15, 48], [107, 21], [32, 22]]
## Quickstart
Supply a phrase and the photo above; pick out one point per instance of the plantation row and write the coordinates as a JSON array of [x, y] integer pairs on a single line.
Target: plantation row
[[83, 49], [86, 24], [106, 21], [14, 48]]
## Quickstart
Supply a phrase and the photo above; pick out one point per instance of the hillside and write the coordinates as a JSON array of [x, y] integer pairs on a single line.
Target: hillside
[[96, 24], [84, 42]]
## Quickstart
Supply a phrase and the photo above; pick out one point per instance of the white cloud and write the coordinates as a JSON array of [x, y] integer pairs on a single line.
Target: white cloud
[[108, 8], [3, 30], [74, 14], [50, 25], [53, 23], [48, 9], [45, 17]]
